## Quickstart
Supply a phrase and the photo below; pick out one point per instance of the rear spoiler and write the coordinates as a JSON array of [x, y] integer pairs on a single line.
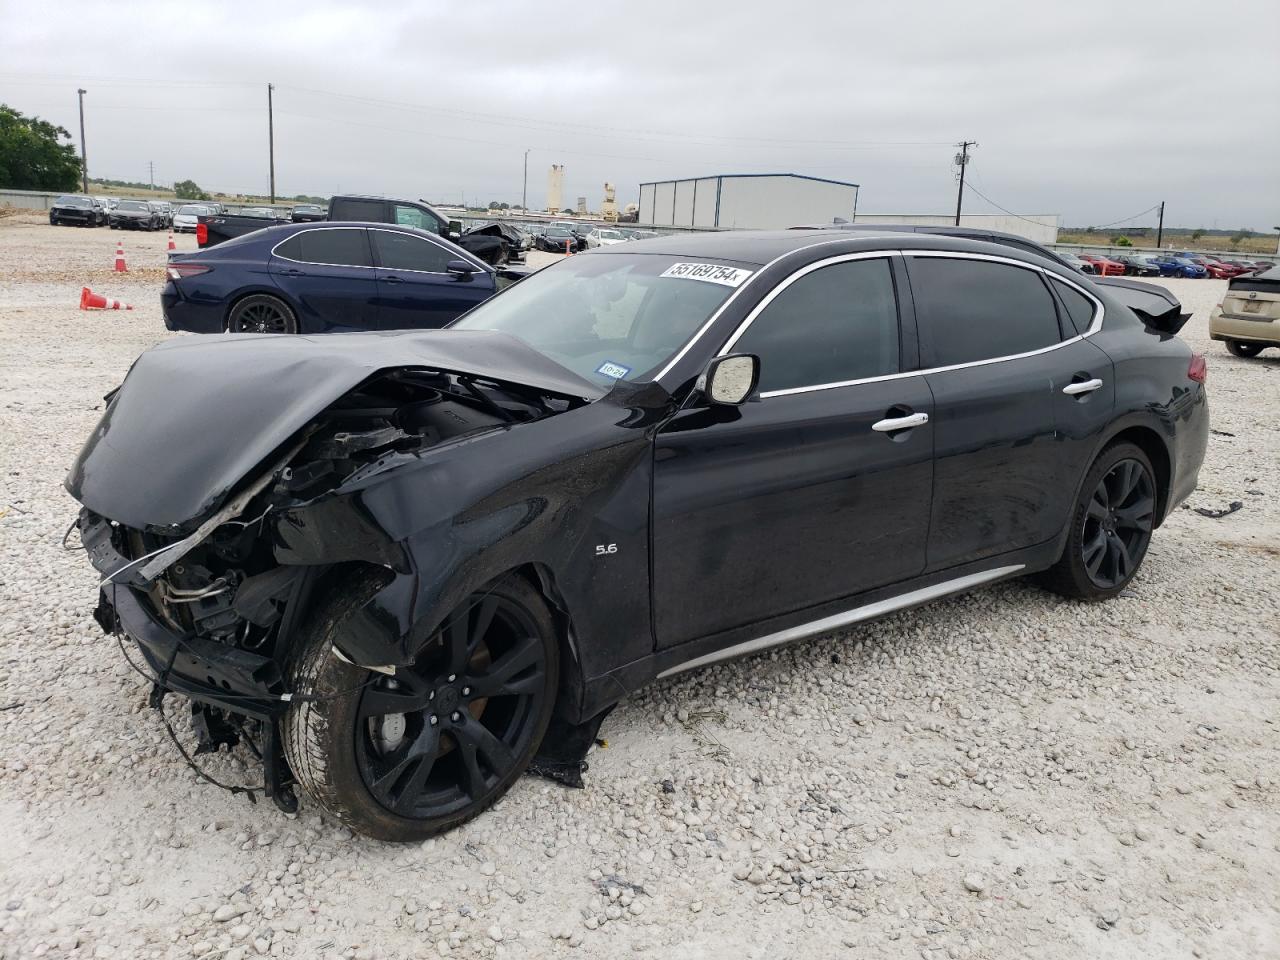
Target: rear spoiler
[[1156, 307]]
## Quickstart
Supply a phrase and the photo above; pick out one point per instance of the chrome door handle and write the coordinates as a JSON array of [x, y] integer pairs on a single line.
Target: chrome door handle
[[900, 423], [1074, 389]]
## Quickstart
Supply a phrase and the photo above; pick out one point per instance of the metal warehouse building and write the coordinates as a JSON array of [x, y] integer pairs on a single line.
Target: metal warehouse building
[[746, 201]]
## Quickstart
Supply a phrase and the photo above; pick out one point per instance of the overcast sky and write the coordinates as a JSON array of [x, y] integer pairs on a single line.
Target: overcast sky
[[1095, 111]]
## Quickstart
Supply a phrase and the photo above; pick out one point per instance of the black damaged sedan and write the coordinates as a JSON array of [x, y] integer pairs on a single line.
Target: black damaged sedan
[[406, 567]]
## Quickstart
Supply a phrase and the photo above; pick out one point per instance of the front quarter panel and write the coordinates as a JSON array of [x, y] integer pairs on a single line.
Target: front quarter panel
[[567, 496]]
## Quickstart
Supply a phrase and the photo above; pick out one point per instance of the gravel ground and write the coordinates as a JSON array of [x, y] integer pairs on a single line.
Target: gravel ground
[[1000, 775]]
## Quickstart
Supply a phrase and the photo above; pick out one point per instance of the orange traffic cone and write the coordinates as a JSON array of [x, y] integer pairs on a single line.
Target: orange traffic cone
[[568, 248], [172, 245], [96, 301], [120, 267]]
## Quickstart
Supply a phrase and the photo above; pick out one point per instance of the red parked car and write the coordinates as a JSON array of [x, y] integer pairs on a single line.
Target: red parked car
[[1104, 266]]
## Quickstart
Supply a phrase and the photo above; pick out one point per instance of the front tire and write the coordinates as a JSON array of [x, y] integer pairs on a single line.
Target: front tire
[[1244, 349], [407, 757], [1111, 526], [262, 313]]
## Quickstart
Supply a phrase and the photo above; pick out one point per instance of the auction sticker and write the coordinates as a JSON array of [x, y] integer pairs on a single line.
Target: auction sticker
[[611, 369], [708, 272]]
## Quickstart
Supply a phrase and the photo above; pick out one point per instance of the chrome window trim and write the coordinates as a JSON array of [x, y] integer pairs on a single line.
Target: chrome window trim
[[419, 234], [316, 263], [1094, 327], [761, 268], [849, 617]]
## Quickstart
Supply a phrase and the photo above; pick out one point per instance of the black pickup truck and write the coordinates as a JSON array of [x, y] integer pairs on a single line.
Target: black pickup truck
[[493, 250]]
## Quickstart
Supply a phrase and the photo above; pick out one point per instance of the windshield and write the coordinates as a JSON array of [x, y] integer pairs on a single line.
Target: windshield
[[73, 202], [132, 205], [610, 317]]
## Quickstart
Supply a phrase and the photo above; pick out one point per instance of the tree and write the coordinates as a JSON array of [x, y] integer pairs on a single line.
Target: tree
[[33, 156], [494, 205], [1197, 234], [189, 190], [1121, 241], [1237, 237]]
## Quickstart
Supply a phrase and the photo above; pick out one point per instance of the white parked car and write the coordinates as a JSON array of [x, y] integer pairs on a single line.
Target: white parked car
[[604, 237], [185, 220]]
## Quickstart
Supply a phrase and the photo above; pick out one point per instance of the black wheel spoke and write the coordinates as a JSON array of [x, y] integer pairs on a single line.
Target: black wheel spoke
[[1094, 551], [1097, 508], [1137, 516], [476, 743], [402, 782], [516, 673], [1119, 558]]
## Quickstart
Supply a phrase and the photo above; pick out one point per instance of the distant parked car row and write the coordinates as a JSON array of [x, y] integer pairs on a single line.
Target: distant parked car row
[[83, 211], [1165, 264]]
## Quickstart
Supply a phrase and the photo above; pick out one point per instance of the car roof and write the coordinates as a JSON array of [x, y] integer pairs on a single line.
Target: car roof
[[764, 246]]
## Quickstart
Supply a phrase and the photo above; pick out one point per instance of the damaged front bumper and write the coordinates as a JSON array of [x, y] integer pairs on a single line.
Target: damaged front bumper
[[203, 670]]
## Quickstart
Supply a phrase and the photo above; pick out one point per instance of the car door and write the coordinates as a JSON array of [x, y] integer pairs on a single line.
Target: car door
[[997, 359], [414, 287], [327, 272], [817, 490]]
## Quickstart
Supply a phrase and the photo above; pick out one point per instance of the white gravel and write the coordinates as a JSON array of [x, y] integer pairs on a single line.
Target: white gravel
[[1001, 775]]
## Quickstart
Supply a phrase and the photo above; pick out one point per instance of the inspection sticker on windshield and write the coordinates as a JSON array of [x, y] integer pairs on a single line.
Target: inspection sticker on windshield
[[611, 369], [709, 272]]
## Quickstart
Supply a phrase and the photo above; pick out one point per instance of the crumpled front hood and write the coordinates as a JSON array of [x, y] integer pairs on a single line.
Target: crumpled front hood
[[196, 416]]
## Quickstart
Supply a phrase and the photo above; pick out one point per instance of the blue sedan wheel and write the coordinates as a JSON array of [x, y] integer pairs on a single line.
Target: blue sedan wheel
[[262, 313]]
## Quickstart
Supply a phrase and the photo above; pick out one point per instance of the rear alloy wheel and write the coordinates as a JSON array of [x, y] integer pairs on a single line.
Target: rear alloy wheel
[[1244, 349], [408, 756], [1111, 526], [262, 313]]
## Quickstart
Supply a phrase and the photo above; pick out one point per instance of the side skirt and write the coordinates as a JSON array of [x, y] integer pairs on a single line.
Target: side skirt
[[858, 614]]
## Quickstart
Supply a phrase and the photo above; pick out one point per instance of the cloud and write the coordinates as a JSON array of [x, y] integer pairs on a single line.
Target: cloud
[[1091, 110]]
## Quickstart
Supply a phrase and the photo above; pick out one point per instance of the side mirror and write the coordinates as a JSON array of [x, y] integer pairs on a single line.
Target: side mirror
[[731, 380], [455, 229], [460, 269]]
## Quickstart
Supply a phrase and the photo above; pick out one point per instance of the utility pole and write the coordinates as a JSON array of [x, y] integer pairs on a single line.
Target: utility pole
[[84, 155], [524, 196], [271, 141], [1160, 227], [962, 161], [151, 165]]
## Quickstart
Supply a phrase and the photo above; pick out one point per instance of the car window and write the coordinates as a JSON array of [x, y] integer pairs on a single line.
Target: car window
[[403, 251], [610, 317], [971, 310], [370, 211], [407, 216], [345, 248], [1079, 308], [837, 323]]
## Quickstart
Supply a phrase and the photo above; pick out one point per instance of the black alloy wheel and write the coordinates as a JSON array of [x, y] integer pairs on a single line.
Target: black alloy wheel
[[439, 736], [1109, 528], [1118, 523], [409, 755], [1244, 349], [262, 314]]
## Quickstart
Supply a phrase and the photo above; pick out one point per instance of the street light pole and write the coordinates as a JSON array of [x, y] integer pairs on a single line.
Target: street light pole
[[524, 196], [271, 141], [84, 153]]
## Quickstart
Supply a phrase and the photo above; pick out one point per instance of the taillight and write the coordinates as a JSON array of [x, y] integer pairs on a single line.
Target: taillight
[[1198, 371], [178, 271], [202, 234]]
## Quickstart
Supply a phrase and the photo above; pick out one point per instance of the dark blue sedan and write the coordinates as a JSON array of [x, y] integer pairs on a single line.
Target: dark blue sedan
[[318, 277], [1176, 265]]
